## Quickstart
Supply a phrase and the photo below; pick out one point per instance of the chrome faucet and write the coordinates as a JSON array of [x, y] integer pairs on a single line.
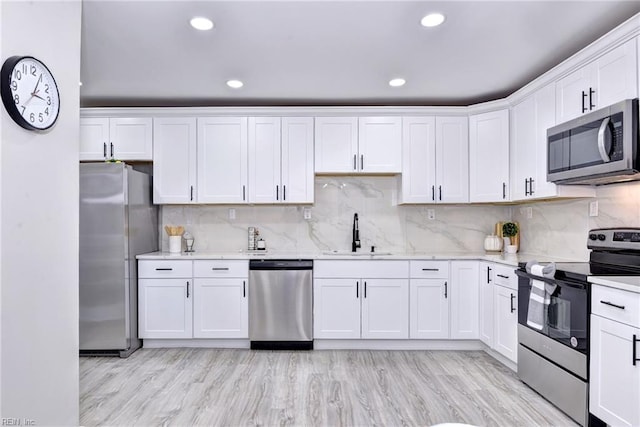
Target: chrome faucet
[[355, 243]]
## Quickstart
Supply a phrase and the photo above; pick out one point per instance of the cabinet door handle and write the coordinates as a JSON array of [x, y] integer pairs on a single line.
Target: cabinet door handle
[[357, 290], [440, 192], [192, 193], [591, 92], [355, 166], [187, 289], [503, 276], [244, 289], [621, 307], [365, 289], [104, 150], [112, 150], [220, 268], [526, 186], [584, 98], [512, 307], [488, 274], [635, 359], [445, 290], [531, 181], [361, 162], [430, 269], [277, 192], [284, 192], [243, 193], [164, 269], [433, 193], [504, 190]]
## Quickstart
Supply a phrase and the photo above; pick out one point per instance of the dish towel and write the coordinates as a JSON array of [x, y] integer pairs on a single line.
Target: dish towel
[[540, 295]]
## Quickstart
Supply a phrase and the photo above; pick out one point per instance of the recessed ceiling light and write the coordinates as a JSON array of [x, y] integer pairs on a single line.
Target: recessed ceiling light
[[201, 23], [432, 20], [235, 84], [397, 82]]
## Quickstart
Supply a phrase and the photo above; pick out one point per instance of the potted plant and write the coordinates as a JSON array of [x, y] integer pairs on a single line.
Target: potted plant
[[510, 230]]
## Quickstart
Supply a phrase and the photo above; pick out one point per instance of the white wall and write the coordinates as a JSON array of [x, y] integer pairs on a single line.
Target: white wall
[[39, 226]]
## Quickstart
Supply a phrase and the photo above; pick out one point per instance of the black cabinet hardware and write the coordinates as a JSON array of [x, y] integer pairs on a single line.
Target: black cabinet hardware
[[440, 192], [354, 162], [504, 190], [621, 307], [512, 307], [591, 92], [244, 289], [584, 98], [104, 150], [365, 289], [164, 269], [112, 150], [277, 192], [433, 193], [526, 186], [445, 290], [284, 192], [361, 162], [488, 274], [220, 268], [243, 193], [503, 276], [192, 193], [187, 289], [635, 359], [357, 290], [430, 269]]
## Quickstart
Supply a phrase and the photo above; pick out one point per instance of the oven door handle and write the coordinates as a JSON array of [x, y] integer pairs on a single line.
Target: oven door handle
[[601, 148]]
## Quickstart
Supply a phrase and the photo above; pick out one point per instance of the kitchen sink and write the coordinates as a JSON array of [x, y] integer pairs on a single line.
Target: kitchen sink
[[355, 254]]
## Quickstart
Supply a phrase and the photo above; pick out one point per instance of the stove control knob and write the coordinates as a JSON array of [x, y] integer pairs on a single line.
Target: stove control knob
[[593, 236], [602, 237]]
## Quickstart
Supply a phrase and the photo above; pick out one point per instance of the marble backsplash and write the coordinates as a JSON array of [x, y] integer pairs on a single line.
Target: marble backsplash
[[556, 229], [383, 224]]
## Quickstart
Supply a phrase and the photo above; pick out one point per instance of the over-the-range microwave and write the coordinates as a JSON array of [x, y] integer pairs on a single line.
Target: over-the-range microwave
[[597, 148]]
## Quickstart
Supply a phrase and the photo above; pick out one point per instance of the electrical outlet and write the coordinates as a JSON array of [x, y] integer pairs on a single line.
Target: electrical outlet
[[306, 212], [593, 208], [528, 212], [431, 214], [232, 213]]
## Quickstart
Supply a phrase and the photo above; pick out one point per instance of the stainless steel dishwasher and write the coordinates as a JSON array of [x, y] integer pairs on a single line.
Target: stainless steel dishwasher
[[281, 304]]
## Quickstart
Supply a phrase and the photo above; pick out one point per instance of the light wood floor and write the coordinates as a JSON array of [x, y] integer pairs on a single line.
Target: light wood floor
[[185, 387]]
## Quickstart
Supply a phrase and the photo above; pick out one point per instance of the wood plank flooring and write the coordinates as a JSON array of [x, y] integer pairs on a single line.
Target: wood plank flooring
[[210, 387]]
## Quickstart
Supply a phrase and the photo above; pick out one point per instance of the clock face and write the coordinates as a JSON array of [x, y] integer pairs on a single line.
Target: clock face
[[29, 93]]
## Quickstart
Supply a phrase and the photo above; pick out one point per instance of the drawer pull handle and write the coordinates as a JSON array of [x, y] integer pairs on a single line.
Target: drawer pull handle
[[503, 276], [220, 268], [430, 269], [164, 269], [621, 307], [635, 340]]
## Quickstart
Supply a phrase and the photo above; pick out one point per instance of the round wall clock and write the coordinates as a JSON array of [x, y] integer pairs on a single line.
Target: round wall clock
[[29, 92]]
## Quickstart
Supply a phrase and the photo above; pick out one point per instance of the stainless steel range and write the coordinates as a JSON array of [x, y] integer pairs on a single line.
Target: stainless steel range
[[554, 360]]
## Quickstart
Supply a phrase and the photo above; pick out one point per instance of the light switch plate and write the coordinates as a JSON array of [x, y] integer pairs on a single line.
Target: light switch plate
[[431, 214], [593, 208], [306, 212], [232, 213]]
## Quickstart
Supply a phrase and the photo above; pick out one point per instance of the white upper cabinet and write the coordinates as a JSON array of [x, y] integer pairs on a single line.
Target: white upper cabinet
[[358, 145], [530, 120], [297, 174], [489, 157], [222, 160], [608, 79], [336, 144], [264, 160], [119, 138], [435, 162], [174, 160], [380, 144], [281, 160]]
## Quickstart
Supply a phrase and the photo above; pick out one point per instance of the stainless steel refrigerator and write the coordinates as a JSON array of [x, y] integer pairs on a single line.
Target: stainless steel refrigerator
[[117, 222]]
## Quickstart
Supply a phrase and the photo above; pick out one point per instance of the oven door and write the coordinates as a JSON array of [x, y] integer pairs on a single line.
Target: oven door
[[566, 316]]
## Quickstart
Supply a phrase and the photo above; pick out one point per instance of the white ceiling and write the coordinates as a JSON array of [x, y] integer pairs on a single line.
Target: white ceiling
[[145, 53]]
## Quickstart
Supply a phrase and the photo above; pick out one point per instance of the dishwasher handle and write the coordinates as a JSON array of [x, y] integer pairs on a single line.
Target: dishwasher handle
[[281, 264]]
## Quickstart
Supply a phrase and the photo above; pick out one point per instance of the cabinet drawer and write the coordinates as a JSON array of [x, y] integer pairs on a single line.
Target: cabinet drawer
[[504, 275], [429, 269], [164, 268], [380, 269], [221, 268], [616, 304]]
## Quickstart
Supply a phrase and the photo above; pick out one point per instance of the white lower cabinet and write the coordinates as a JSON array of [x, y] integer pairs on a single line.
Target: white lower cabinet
[[486, 303], [506, 322], [350, 305], [174, 304], [165, 295], [464, 300], [614, 385], [429, 300]]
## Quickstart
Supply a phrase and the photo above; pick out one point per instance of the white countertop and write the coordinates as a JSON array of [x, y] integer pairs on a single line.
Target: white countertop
[[508, 259], [627, 283]]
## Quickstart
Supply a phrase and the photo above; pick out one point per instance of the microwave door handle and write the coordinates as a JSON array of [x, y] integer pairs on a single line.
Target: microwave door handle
[[601, 148]]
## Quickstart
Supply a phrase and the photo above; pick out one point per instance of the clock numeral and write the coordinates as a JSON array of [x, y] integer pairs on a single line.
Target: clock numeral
[[40, 118], [32, 117], [46, 111], [17, 74], [32, 69], [16, 98], [24, 68], [14, 85], [46, 88], [23, 109], [48, 100]]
